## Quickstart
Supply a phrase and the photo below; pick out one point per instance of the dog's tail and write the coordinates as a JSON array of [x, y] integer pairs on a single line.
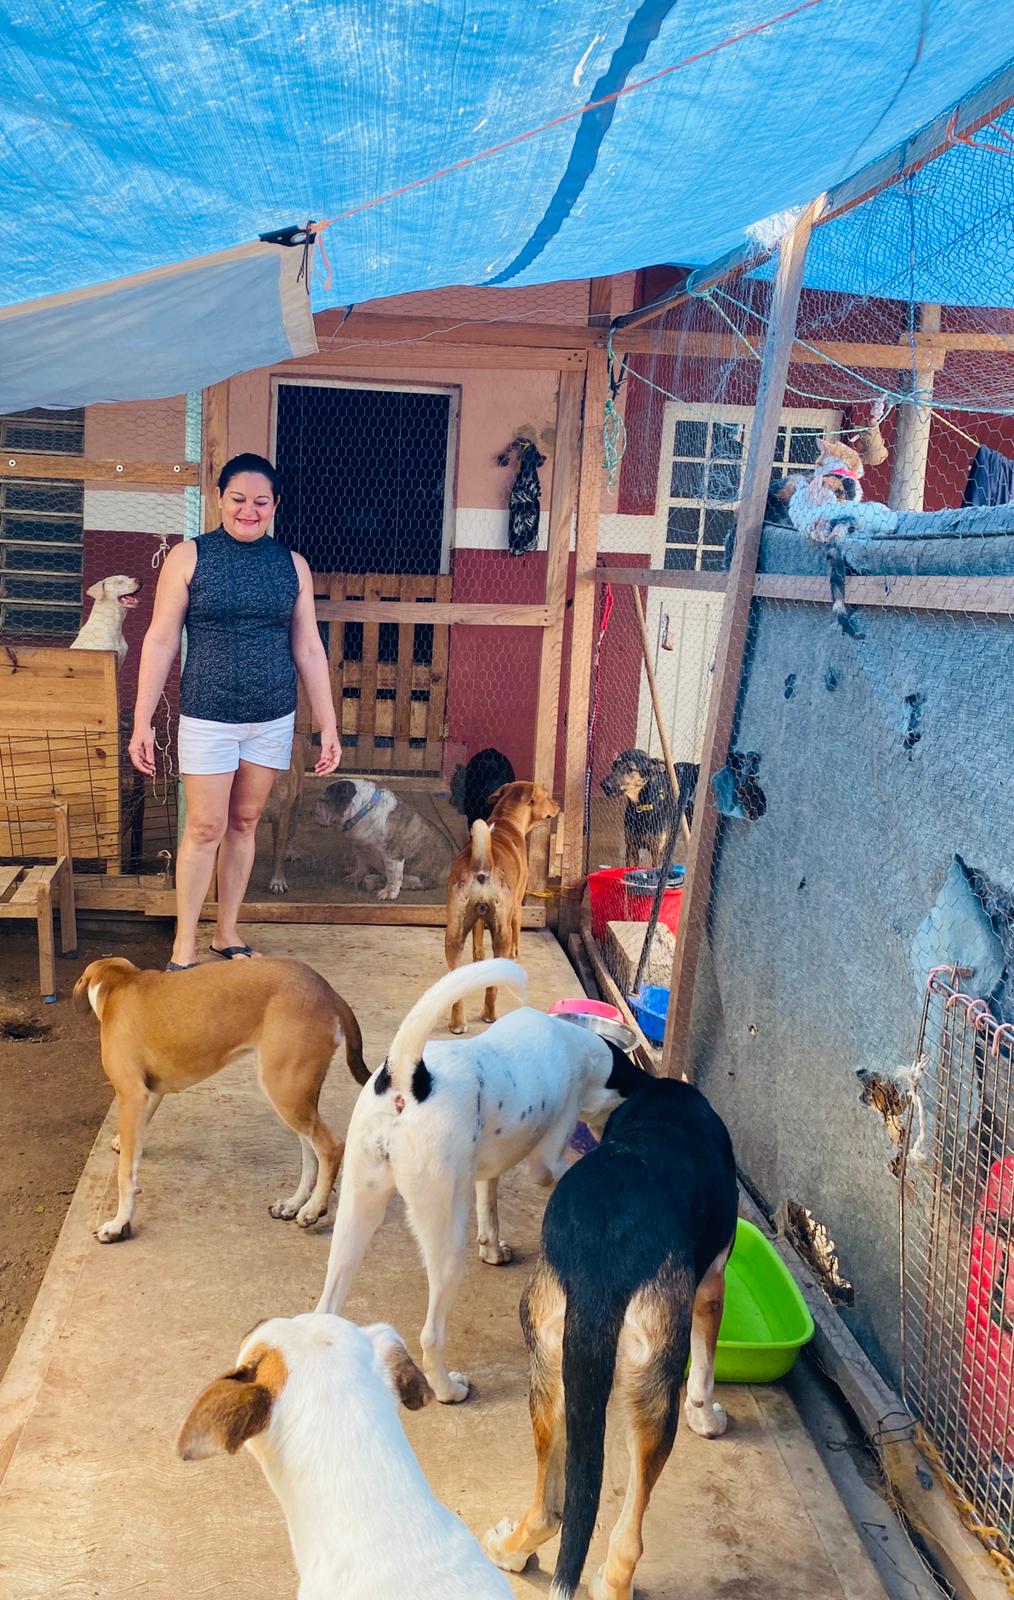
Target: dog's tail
[[347, 1028], [481, 859], [591, 1334], [427, 1013]]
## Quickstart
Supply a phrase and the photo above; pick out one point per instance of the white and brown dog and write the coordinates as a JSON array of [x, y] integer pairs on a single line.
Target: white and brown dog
[[113, 597], [403, 850], [314, 1399], [444, 1119], [163, 1031]]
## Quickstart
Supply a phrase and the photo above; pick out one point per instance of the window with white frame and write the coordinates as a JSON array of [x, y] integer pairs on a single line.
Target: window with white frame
[[703, 454]]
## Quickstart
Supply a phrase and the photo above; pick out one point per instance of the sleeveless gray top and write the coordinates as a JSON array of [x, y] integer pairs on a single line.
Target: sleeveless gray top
[[239, 665]]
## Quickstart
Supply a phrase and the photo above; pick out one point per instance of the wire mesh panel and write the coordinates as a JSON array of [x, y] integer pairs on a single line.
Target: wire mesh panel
[[957, 1240]]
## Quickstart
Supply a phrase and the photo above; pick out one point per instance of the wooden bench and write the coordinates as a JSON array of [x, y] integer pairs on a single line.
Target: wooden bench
[[28, 891]]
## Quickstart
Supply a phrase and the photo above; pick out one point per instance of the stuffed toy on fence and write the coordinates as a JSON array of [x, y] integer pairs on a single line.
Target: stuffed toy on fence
[[830, 504], [525, 497]]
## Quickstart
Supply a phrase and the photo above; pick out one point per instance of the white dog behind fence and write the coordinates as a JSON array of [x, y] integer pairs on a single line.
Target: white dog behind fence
[[103, 629]]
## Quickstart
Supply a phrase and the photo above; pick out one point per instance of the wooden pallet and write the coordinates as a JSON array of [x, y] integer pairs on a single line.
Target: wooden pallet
[[391, 713]]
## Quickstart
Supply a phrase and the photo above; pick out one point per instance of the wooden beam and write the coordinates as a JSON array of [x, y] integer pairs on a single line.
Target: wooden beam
[[561, 516], [663, 578], [600, 302], [395, 329], [215, 449], [589, 496], [926, 339], [36, 464], [441, 356], [889, 591], [912, 433], [990, 100], [732, 637], [162, 903], [727, 347], [479, 615]]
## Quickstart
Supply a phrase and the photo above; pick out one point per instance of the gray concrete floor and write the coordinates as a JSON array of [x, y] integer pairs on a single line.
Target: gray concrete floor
[[94, 1504]]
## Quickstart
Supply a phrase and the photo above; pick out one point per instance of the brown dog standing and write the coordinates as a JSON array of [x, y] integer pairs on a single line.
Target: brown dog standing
[[163, 1031], [489, 879]]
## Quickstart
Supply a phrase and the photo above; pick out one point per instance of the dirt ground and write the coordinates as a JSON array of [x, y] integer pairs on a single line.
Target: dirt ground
[[53, 1097]]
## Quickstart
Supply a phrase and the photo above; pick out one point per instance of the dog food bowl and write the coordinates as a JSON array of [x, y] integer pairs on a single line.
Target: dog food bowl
[[616, 1033], [766, 1320], [581, 1006], [651, 1007], [645, 880]]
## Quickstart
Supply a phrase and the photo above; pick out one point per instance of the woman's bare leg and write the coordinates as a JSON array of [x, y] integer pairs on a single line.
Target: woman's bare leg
[[207, 802], [250, 790]]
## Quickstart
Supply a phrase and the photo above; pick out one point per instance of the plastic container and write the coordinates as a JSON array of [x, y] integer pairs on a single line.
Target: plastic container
[[766, 1320], [651, 1007], [586, 1007], [626, 894]]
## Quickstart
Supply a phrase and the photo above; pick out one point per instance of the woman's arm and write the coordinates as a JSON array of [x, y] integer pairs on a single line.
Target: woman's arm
[[311, 664], [159, 650]]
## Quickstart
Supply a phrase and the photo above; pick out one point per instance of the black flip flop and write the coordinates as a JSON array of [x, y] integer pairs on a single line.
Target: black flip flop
[[232, 950], [181, 966]]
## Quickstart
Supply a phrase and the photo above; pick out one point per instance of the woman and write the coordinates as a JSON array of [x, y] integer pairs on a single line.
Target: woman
[[247, 604]]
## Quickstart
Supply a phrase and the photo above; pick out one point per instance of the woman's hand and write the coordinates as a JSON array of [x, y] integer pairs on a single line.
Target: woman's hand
[[141, 750], [330, 752]]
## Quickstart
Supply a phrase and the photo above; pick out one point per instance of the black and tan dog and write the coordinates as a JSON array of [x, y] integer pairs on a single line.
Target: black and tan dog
[[652, 810], [658, 1197]]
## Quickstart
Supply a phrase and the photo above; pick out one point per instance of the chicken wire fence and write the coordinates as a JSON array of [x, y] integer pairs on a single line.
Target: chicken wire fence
[[957, 1231]]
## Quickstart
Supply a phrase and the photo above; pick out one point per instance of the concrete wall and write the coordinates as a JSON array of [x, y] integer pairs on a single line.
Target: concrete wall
[[806, 976]]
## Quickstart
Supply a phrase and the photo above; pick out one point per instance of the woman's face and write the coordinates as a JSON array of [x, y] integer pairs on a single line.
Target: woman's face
[[247, 505]]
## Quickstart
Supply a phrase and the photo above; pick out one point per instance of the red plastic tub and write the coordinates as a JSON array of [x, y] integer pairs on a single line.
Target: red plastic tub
[[612, 902]]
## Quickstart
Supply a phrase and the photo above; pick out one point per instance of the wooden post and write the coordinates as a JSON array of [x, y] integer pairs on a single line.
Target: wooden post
[[911, 442], [656, 704], [600, 302], [733, 635], [215, 452], [561, 516], [589, 495]]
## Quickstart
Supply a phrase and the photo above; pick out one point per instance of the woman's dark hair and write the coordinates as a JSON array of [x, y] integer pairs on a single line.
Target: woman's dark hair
[[247, 462]]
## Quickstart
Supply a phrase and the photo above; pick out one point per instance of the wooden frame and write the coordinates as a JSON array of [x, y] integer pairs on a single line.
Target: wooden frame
[[34, 464], [898, 591], [733, 636]]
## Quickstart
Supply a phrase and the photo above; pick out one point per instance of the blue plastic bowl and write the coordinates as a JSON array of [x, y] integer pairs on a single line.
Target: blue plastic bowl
[[651, 1008]]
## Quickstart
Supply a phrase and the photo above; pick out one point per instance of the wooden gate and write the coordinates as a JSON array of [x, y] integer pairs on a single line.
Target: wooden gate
[[389, 680]]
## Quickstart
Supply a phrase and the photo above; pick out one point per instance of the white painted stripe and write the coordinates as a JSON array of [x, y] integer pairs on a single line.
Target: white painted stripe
[[479, 528], [155, 511]]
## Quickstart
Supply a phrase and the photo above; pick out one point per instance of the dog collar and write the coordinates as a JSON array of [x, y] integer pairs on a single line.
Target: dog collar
[[364, 811]]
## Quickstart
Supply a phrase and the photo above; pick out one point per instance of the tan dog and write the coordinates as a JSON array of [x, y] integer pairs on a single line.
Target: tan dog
[[282, 811], [489, 879], [163, 1031]]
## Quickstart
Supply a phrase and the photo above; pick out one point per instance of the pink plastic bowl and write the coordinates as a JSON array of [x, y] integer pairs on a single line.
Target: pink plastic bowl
[[586, 1007]]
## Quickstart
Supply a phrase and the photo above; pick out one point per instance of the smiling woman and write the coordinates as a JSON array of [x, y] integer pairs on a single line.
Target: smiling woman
[[247, 605]]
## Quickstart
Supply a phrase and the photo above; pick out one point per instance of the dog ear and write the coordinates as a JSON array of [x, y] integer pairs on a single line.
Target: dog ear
[[97, 590], [413, 1390], [228, 1412], [497, 795], [397, 1366], [80, 998]]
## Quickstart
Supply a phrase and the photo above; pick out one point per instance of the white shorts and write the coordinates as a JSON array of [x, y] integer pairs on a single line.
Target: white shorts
[[205, 748]]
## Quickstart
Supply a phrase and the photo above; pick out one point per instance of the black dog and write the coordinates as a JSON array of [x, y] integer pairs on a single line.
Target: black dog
[[658, 1198], [473, 784], [651, 810]]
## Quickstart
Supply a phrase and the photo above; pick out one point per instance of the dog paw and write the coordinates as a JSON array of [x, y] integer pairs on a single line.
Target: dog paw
[[599, 1589], [461, 1028], [114, 1143], [710, 1421], [278, 886], [283, 1210], [493, 1544], [109, 1233], [292, 855], [387, 894], [496, 1255], [455, 1391], [307, 1215]]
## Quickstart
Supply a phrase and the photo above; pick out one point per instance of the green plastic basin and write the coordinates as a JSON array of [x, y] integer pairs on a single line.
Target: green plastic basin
[[766, 1320]]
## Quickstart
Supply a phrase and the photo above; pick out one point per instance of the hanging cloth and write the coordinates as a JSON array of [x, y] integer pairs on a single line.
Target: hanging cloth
[[525, 497]]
